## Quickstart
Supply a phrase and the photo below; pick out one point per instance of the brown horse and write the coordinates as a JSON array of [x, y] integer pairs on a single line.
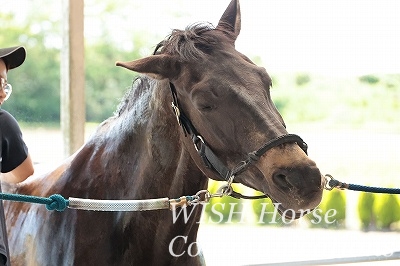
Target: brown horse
[[142, 152]]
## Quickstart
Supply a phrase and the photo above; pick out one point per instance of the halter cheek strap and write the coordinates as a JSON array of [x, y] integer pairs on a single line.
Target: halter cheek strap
[[213, 162]]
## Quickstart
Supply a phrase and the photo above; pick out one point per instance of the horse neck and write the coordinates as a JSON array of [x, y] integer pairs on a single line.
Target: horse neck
[[165, 143], [140, 152], [164, 166]]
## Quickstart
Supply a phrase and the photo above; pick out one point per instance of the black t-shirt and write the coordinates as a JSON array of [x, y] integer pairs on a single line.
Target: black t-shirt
[[13, 151]]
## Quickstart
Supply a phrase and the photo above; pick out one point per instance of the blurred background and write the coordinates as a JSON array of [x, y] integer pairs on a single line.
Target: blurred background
[[335, 67]]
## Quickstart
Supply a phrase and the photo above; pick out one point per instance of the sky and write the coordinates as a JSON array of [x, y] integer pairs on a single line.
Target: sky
[[337, 38]]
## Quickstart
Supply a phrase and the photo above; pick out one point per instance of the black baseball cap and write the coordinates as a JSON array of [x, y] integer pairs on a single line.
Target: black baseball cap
[[14, 56]]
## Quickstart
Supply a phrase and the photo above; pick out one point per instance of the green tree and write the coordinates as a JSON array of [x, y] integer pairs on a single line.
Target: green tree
[[36, 83], [302, 79], [105, 83], [369, 79]]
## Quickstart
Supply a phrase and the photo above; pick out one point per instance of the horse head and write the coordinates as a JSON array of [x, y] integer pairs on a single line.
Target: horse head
[[226, 98]]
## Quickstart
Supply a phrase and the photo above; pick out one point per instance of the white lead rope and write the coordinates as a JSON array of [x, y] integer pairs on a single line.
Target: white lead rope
[[132, 205], [118, 205], [203, 196]]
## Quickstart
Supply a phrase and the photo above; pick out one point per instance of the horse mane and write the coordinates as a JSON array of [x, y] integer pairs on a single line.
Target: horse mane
[[140, 85], [188, 44]]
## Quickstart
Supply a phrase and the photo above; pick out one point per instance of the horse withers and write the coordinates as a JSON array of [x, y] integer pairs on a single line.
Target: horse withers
[[142, 152]]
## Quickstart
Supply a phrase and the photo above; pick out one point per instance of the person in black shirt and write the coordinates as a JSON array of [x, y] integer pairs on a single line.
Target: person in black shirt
[[15, 162]]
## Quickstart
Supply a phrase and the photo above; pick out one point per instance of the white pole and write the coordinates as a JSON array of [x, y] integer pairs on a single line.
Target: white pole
[[72, 77]]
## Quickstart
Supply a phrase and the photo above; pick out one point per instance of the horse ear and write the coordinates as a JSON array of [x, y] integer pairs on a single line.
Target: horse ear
[[230, 20], [155, 66]]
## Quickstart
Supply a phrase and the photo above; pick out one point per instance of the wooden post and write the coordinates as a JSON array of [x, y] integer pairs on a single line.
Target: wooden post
[[72, 77]]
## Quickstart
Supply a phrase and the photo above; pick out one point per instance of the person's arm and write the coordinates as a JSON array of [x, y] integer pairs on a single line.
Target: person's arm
[[16, 164], [20, 173]]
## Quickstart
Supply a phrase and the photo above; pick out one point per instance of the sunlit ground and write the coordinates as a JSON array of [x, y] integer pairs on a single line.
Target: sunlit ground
[[355, 156], [252, 245]]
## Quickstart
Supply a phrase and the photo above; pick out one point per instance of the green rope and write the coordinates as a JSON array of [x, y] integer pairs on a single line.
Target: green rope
[[54, 202]]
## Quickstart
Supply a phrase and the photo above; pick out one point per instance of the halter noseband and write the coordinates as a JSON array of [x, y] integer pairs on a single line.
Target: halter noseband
[[208, 156]]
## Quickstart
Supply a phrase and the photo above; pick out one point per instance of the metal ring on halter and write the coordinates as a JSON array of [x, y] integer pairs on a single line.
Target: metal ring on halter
[[195, 141], [331, 183], [225, 190], [230, 180], [327, 179]]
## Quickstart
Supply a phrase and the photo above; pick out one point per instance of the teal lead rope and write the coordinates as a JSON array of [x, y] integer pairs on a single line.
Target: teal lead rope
[[332, 183], [54, 202], [59, 203]]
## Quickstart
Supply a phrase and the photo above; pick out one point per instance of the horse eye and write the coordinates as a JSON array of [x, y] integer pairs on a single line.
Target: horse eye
[[203, 101], [206, 108]]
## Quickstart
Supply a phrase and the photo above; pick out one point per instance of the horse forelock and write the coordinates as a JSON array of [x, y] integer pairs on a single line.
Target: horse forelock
[[188, 44]]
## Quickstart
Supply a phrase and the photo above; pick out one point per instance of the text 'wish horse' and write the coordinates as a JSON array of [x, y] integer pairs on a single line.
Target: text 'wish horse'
[[228, 129]]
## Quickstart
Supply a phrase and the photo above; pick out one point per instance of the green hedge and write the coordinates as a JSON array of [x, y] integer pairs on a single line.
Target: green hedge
[[331, 213], [386, 211], [265, 213], [378, 211], [375, 211], [365, 210], [223, 210]]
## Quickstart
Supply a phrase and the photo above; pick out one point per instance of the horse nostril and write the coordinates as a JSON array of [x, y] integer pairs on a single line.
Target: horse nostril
[[288, 179], [281, 179], [299, 178]]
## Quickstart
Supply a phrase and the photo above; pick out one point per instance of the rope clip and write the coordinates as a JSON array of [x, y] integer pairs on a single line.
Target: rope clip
[[203, 196], [331, 183]]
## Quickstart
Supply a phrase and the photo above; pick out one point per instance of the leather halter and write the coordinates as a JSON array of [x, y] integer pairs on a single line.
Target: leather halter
[[212, 161]]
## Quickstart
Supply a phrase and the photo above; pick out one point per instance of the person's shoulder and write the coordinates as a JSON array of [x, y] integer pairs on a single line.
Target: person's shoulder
[[4, 113], [6, 117]]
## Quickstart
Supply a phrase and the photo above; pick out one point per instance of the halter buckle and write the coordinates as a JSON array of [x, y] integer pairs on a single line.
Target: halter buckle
[[177, 113], [196, 140]]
